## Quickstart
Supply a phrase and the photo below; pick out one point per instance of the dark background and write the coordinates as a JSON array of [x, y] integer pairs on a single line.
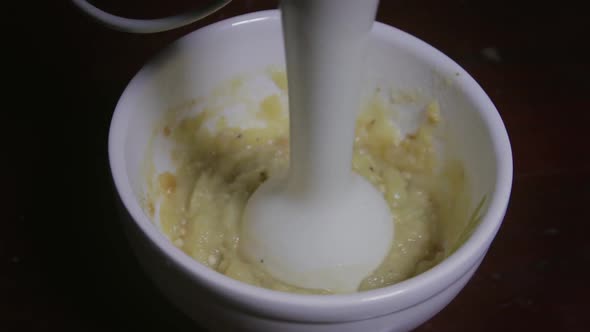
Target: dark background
[[65, 265]]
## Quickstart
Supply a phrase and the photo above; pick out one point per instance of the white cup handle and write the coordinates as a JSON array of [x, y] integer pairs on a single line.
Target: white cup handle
[[152, 25]]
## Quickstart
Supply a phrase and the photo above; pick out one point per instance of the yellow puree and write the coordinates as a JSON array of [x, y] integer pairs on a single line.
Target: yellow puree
[[201, 202]]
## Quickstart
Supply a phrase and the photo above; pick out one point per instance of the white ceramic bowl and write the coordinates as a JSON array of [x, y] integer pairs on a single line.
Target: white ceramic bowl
[[205, 58]]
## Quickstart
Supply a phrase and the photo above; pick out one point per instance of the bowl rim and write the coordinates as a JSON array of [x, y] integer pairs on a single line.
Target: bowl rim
[[337, 307]]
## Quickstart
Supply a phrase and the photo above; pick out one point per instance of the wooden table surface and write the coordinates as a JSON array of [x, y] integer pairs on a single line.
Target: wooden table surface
[[65, 265]]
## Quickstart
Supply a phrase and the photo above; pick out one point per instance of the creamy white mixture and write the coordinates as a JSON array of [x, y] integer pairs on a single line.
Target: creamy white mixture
[[217, 167]]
